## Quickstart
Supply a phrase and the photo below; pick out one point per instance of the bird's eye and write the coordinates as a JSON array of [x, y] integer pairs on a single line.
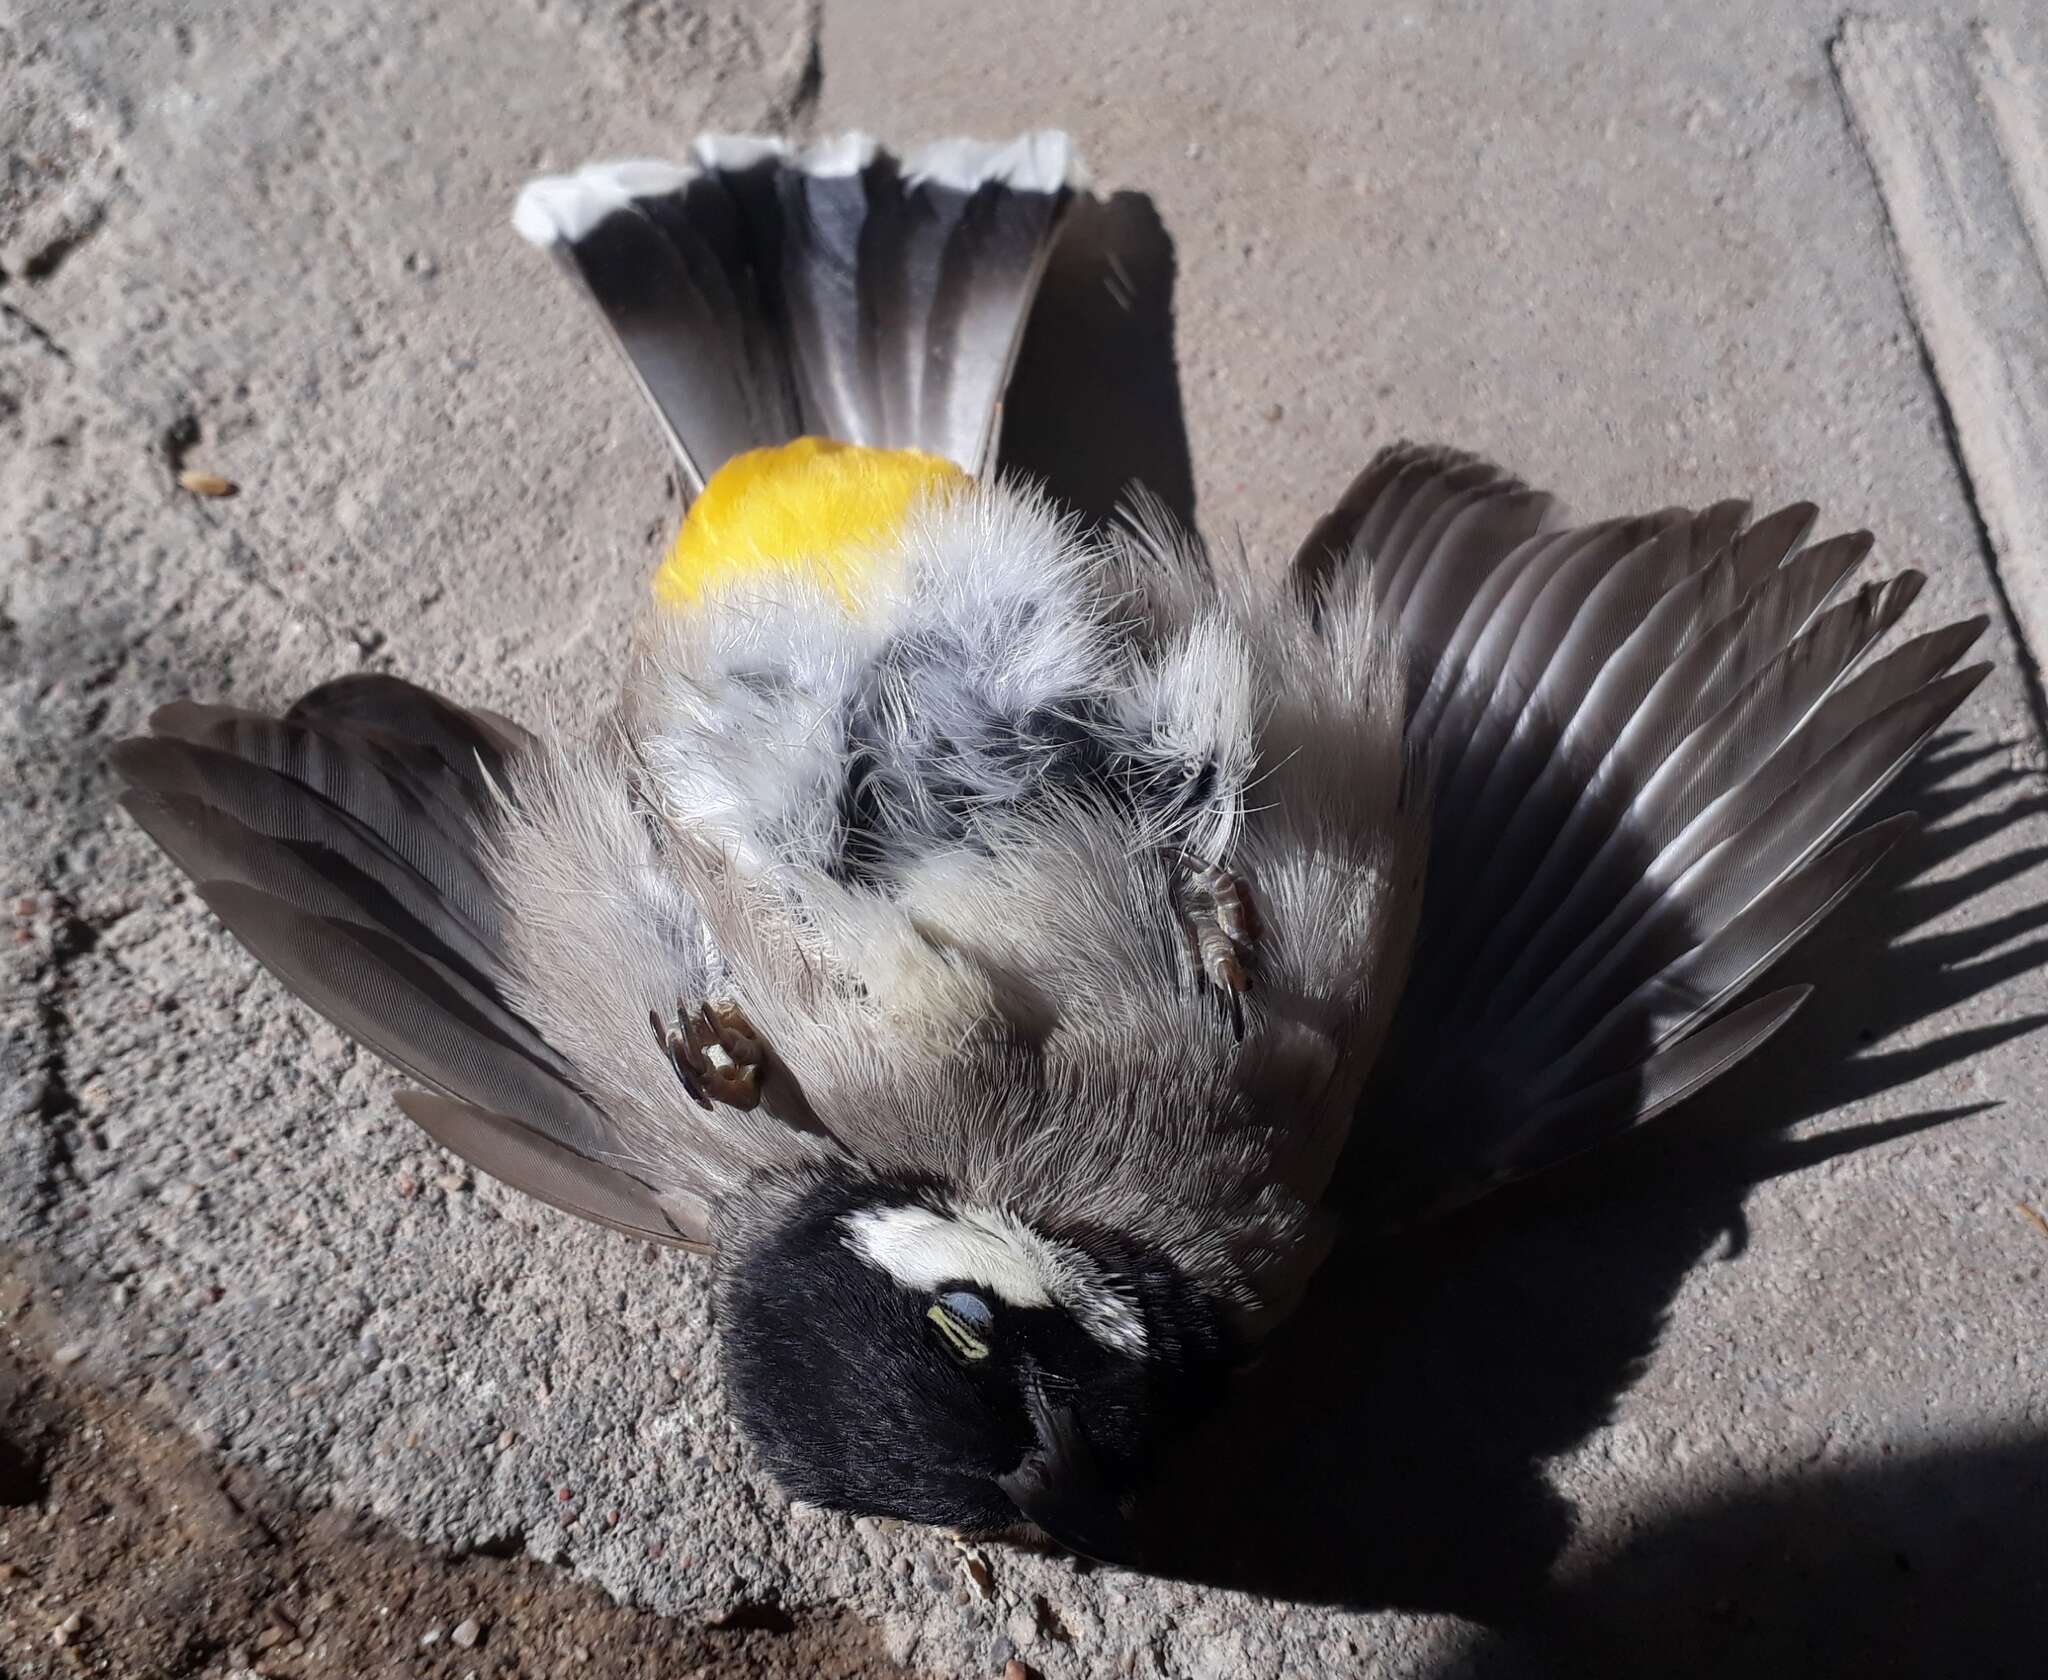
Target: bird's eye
[[965, 1324]]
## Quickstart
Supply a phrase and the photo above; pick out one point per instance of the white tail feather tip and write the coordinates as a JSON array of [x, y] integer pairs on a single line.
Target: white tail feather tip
[[1040, 162], [830, 159], [561, 209]]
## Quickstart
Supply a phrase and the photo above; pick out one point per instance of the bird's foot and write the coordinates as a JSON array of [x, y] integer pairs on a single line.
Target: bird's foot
[[1223, 929], [714, 1051]]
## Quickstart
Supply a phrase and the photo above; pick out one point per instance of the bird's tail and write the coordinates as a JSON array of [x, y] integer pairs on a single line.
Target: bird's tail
[[762, 293]]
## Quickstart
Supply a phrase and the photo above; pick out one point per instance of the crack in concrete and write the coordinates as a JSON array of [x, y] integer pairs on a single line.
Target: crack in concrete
[[174, 442], [35, 330], [2026, 660], [178, 440], [57, 1105], [46, 259], [793, 113], [241, 561], [1936, 265]]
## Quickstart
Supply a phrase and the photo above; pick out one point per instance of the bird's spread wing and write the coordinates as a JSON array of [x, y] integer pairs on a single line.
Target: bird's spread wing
[[344, 844], [761, 293], [493, 915], [1646, 741]]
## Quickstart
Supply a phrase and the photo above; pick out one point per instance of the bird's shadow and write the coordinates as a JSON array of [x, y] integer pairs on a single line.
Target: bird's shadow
[[1934, 1564], [1387, 1449], [1094, 405]]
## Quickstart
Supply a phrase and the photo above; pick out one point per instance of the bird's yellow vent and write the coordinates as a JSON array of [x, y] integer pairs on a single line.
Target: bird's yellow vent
[[815, 506]]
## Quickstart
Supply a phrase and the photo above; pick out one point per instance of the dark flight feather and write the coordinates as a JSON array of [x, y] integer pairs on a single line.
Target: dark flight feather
[[343, 845], [1644, 742]]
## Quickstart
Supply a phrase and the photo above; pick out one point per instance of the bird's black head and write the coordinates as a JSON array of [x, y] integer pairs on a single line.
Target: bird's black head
[[893, 1352]]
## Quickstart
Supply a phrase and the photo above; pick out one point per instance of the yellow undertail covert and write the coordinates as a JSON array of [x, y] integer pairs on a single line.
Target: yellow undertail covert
[[810, 506]]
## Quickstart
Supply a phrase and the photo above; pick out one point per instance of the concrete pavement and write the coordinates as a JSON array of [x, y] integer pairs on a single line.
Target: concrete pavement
[[1764, 1391]]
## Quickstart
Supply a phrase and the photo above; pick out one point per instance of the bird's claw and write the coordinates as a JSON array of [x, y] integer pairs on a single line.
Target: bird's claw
[[1223, 929], [714, 1051]]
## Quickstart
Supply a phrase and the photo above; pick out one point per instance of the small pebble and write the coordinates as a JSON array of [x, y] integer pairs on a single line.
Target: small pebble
[[67, 1630], [467, 1632], [1015, 1670], [407, 1186], [271, 1636], [582, 1653], [1275, 414], [451, 1182], [564, 1495], [431, 1637], [205, 483], [611, 1519], [506, 1438], [70, 1353]]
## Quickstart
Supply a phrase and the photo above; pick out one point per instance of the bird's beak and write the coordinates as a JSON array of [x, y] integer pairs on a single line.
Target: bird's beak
[[1062, 1486]]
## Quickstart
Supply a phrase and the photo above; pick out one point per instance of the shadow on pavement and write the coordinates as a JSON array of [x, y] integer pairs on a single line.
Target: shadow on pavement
[[1932, 1565], [1387, 1451], [1095, 404]]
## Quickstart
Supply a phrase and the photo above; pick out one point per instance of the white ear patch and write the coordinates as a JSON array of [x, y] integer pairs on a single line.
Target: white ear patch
[[922, 1247]]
